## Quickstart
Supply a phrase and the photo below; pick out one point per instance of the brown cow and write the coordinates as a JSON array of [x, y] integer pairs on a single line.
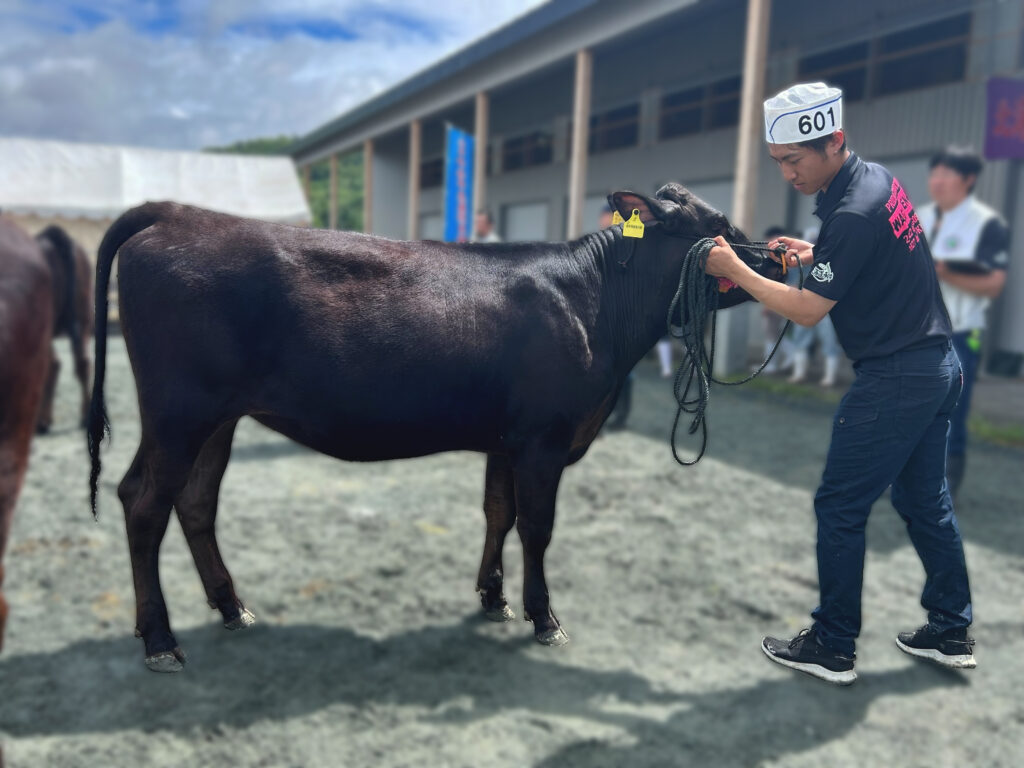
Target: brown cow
[[72, 315], [25, 290], [366, 349]]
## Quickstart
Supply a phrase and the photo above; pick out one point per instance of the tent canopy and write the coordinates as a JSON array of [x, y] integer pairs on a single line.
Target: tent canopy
[[69, 180]]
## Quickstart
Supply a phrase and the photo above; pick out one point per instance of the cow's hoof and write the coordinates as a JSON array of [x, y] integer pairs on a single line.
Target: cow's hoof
[[243, 620], [499, 613], [42, 429], [553, 637], [168, 661]]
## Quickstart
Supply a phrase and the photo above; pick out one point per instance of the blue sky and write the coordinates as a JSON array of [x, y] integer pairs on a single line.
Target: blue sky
[[186, 74]]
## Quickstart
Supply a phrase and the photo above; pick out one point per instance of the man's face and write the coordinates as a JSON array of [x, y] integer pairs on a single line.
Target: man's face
[[482, 224], [947, 187], [806, 169]]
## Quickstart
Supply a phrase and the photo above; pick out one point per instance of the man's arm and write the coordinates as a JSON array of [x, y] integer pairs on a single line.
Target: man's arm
[[992, 252], [802, 307], [989, 285]]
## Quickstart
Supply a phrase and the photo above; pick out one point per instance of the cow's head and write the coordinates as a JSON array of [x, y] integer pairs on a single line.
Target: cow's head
[[676, 218]]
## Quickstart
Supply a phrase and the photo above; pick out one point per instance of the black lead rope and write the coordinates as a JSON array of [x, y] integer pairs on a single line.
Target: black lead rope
[[695, 301]]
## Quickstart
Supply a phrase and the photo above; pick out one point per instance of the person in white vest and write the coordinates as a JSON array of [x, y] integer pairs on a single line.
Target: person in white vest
[[970, 244], [872, 272]]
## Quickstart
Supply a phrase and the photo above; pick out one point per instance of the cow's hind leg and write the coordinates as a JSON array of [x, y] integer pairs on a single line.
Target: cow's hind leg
[[537, 474], [45, 418], [196, 506], [500, 509], [155, 478]]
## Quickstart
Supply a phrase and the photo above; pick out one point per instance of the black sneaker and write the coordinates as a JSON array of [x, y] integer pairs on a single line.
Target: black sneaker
[[952, 648], [805, 653]]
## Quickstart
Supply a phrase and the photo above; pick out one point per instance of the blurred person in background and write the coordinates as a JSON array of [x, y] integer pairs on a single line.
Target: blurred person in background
[[803, 338], [664, 347], [483, 228], [873, 272], [772, 323], [970, 244]]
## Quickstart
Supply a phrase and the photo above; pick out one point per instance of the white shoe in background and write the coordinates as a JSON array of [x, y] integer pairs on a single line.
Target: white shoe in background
[[831, 369], [799, 367]]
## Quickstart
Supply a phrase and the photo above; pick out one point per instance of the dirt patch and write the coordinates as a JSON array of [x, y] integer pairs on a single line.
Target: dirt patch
[[370, 652]]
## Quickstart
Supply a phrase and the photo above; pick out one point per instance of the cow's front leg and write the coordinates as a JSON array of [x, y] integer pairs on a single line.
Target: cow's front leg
[[500, 509], [537, 474]]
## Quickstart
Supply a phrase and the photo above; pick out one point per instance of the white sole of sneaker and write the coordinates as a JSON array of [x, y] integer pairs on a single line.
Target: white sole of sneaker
[[815, 670], [965, 661]]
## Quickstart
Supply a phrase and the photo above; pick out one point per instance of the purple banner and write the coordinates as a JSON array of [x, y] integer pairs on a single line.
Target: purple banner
[[1004, 121]]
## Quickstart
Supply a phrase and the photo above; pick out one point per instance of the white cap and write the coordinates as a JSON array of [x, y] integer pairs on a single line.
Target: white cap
[[802, 112]]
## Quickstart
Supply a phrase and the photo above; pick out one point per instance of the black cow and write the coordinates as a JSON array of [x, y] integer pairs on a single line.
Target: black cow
[[72, 315], [365, 349]]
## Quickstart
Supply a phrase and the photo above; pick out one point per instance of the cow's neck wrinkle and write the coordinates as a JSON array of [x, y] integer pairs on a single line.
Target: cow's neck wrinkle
[[633, 299]]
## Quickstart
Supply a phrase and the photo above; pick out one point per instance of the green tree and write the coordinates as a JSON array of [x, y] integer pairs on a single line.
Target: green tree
[[350, 179]]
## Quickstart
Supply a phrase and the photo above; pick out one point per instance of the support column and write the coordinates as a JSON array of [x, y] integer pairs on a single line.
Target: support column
[[580, 140], [481, 130], [306, 182], [368, 186], [415, 134], [734, 325], [332, 211]]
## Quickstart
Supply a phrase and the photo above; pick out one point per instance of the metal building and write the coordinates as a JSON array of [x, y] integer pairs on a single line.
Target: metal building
[[652, 90]]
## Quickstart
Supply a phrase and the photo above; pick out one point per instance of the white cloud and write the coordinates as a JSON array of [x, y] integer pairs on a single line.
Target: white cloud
[[188, 82]]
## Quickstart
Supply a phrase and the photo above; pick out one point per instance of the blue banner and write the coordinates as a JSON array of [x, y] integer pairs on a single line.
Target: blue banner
[[458, 185]]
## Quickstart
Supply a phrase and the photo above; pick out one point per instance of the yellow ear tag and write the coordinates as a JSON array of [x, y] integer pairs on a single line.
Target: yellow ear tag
[[616, 218], [634, 227]]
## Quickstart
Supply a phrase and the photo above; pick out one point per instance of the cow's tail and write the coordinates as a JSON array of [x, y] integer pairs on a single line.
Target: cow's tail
[[128, 225], [65, 248]]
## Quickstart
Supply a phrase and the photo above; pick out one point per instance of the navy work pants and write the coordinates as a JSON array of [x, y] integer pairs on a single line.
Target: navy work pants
[[891, 429], [967, 345]]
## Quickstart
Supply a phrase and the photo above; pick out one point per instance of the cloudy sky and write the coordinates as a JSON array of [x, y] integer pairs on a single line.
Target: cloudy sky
[[185, 74]]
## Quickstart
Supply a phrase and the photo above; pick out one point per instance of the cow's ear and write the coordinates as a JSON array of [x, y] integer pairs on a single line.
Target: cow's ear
[[652, 211]]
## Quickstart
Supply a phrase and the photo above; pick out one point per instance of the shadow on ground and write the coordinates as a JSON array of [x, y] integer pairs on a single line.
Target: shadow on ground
[[280, 672], [786, 440], [747, 726], [455, 672]]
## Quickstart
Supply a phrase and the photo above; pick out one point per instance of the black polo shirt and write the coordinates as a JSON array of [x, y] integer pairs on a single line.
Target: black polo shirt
[[872, 259]]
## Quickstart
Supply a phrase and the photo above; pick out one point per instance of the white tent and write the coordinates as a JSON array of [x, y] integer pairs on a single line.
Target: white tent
[[56, 180]]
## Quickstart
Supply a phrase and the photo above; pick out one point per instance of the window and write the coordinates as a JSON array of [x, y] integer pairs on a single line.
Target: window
[[930, 54], [527, 150], [724, 103], [431, 173], [705, 107], [845, 67], [927, 55], [681, 113], [614, 129]]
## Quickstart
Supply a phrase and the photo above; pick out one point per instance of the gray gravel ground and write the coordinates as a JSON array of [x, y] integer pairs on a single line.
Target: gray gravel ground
[[370, 651]]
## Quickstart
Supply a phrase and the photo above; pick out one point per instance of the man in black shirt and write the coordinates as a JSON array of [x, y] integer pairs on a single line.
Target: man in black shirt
[[872, 272]]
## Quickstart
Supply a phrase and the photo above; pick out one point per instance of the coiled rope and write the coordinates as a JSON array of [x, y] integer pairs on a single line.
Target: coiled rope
[[695, 302]]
